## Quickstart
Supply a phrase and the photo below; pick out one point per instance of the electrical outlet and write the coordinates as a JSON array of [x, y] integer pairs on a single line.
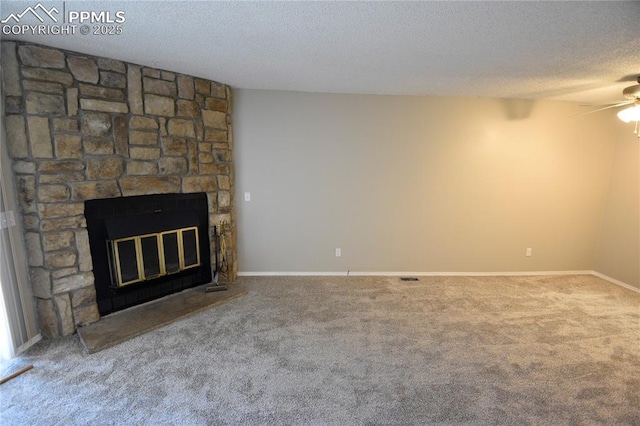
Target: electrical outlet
[[338, 252], [247, 196], [528, 252]]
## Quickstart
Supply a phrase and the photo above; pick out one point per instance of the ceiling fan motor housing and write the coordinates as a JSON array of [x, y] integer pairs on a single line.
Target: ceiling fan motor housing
[[632, 92]]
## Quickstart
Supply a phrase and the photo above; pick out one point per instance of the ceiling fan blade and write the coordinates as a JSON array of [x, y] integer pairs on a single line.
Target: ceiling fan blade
[[630, 77], [603, 108]]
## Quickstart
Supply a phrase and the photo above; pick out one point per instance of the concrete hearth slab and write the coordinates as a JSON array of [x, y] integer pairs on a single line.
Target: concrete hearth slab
[[122, 326]]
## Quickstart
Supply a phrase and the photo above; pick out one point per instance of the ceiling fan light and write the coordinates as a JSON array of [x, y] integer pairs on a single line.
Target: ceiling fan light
[[630, 114]]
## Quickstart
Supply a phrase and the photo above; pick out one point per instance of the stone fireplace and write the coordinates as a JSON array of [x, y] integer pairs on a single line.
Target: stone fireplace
[[83, 128]]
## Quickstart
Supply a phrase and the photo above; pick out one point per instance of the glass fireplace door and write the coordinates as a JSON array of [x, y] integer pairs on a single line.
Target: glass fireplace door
[[144, 257]]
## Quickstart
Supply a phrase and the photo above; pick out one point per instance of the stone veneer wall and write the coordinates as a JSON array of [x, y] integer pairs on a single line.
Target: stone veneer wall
[[81, 127]]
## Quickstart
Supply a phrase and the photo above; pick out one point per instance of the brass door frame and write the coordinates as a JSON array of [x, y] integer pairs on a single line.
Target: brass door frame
[[137, 240]]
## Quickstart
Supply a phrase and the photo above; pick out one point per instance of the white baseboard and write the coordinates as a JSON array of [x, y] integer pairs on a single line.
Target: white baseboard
[[28, 344], [292, 274], [466, 274], [406, 274], [616, 282]]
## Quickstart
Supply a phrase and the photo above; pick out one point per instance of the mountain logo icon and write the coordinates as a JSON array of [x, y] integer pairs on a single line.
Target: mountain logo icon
[[38, 11]]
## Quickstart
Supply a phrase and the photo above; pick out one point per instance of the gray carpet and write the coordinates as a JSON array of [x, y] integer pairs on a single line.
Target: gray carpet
[[355, 351]]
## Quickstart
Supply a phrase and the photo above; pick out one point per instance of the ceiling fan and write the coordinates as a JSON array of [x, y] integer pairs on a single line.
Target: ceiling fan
[[632, 96]]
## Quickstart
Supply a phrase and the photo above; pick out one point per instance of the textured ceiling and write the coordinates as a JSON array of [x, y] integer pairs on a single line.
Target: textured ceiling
[[577, 51]]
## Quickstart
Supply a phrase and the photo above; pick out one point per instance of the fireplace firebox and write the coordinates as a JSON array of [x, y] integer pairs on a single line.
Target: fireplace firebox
[[146, 247]]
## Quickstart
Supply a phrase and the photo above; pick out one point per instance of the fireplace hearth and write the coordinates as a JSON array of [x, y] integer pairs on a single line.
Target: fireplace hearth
[[146, 247]]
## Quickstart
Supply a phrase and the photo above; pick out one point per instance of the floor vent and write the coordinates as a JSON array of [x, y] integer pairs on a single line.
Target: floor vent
[[408, 279]]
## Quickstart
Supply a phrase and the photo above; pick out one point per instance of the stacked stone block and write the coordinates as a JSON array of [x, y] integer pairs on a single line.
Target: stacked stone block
[[80, 128]]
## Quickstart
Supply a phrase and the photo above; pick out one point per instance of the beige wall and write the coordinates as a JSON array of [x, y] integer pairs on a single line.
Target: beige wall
[[618, 254], [416, 184]]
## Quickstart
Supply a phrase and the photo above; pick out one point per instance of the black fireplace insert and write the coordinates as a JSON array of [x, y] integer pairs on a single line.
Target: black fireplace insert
[[146, 247]]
